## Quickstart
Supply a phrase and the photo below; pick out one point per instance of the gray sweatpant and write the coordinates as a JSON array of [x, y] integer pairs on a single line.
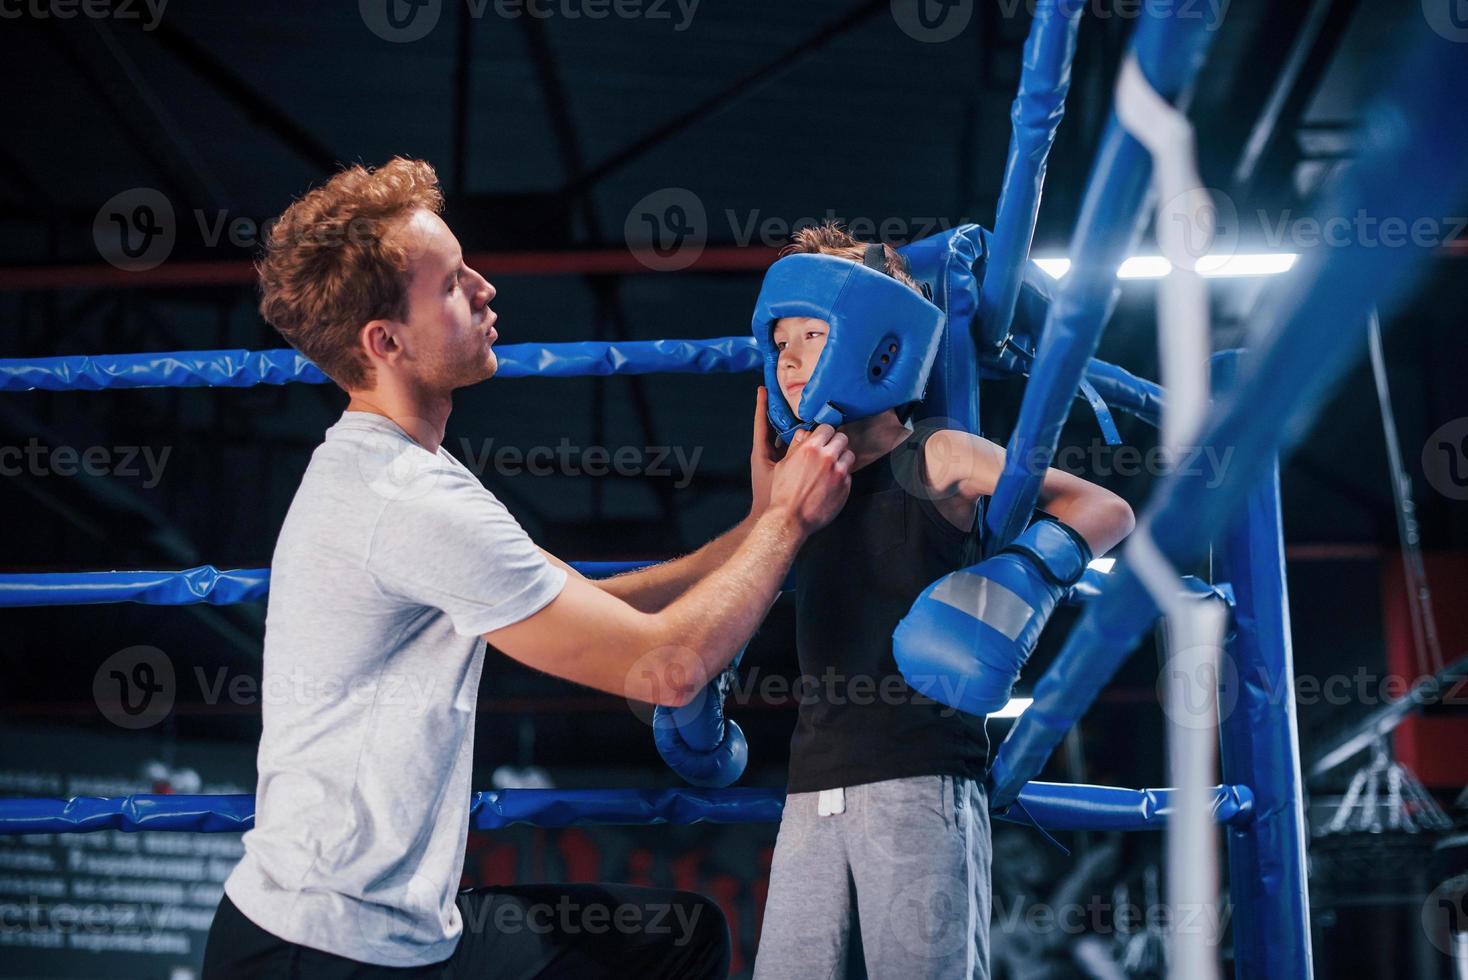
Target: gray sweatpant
[[896, 886]]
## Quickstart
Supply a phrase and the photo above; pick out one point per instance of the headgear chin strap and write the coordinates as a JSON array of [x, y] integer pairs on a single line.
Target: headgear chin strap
[[883, 340]]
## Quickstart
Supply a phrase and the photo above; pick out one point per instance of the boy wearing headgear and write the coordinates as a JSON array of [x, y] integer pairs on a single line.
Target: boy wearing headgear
[[883, 854]]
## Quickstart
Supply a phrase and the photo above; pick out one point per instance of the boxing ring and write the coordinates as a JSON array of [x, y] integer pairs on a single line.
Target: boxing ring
[[1004, 319]]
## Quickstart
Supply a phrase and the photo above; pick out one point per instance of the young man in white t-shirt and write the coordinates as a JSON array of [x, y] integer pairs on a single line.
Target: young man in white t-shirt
[[392, 570]]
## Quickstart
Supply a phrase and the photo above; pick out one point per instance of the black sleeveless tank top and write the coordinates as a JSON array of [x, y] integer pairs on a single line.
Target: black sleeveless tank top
[[856, 578]]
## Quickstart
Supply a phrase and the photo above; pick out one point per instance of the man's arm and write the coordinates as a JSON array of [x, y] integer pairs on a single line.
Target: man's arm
[[963, 463], [652, 588], [593, 637]]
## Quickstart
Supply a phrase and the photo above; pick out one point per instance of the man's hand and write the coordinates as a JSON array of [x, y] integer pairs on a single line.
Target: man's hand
[[813, 480], [765, 451]]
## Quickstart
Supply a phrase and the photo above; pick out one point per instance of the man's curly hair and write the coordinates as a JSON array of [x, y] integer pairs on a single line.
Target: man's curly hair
[[332, 262]]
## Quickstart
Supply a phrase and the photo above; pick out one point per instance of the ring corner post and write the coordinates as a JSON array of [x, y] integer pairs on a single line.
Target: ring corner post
[[1260, 748]]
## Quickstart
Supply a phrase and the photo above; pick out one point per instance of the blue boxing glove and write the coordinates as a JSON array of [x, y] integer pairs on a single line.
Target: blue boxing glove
[[968, 634], [697, 741]]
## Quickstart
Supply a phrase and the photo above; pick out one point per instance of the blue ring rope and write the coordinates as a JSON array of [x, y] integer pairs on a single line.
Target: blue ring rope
[[1059, 806]]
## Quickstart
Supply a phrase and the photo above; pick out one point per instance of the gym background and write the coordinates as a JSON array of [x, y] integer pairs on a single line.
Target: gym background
[[625, 171]]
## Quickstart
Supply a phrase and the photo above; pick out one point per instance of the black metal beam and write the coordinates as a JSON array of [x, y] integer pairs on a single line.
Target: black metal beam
[[250, 101], [611, 318], [31, 197], [558, 107], [463, 66], [727, 96], [176, 184], [1447, 683], [1309, 56], [106, 510]]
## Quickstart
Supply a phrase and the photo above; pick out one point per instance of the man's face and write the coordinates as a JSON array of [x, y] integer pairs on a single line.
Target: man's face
[[450, 327], [800, 340]]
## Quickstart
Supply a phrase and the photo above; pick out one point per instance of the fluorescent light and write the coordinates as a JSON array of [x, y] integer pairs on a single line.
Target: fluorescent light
[[1210, 266], [1144, 267], [1263, 264], [1054, 268], [1102, 565], [1013, 709]]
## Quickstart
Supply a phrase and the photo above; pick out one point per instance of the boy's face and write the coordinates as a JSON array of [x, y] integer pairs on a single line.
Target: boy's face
[[800, 340], [450, 326]]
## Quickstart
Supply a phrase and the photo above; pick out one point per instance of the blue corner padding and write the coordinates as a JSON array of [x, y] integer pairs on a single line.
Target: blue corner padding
[[1313, 323], [949, 262], [1169, 50], [953, 264], [1259, 738], [1035, 116], [1125, 391], [1071, 806], [1055, 806]]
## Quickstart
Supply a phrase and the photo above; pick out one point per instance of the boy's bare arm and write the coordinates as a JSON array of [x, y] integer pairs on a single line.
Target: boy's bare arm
[[969, 465]]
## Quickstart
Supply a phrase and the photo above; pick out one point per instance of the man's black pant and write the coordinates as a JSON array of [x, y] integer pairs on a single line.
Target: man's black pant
[[594, 930]]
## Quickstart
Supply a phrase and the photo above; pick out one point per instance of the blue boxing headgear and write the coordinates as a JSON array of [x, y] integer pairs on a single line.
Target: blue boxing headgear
[[883, 341]]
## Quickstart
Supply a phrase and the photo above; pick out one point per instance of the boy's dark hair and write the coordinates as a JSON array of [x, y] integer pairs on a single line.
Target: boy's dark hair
[[831, 239]]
